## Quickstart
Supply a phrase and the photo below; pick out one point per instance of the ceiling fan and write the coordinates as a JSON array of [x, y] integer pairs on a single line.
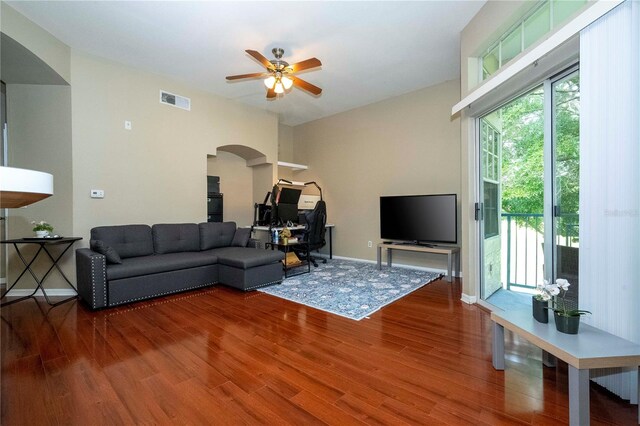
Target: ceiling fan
[[280, 74]]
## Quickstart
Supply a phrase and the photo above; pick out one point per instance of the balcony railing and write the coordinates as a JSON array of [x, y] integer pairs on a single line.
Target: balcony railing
[[523, 246], [524, 255]]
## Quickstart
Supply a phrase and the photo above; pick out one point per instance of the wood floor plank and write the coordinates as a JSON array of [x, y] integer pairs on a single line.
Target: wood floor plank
[[220, 356], [326, 412], [288, 410]]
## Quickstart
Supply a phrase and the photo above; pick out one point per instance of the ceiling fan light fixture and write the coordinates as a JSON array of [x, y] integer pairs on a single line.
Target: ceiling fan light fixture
[[286, 82], [270, 81], [279, 74]]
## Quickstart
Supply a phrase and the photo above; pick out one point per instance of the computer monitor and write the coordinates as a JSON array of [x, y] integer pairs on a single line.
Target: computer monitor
[[288, 212], [289, 196]]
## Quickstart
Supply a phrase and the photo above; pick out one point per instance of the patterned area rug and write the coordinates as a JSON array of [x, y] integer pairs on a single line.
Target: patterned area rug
[[350, 289]]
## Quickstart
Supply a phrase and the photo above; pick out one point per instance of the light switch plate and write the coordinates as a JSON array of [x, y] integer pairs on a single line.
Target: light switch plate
[[127, 125], [97, 193]]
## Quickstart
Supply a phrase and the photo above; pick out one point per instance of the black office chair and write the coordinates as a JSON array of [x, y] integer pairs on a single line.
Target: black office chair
[[315, 228]]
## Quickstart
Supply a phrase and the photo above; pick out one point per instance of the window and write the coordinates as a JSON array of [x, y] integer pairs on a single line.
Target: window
[[490, 151], [491, 216], [491, 142], [546, 16]]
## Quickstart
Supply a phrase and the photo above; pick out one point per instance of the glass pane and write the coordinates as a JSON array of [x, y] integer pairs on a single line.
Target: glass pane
[[511, 46], [512, 253], [566, 139], [490, 63], [491, 279], [484, 137], [536, 25], [490, 209], [563, 9]]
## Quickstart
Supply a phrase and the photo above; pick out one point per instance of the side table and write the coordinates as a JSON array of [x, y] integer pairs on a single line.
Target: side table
[[43, 243], [288, 248]]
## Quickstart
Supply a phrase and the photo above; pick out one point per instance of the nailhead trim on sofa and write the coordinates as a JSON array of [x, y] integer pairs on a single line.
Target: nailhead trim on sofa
[[160, 294]]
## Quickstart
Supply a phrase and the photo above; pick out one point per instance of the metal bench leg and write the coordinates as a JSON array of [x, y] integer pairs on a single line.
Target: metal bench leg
[[578, 396], [498, 346]]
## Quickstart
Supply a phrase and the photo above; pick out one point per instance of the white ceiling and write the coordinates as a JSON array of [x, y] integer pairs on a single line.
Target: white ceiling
[[369, 50]]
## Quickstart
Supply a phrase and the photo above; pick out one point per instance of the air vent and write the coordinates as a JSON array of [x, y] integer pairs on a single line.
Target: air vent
[[175, 100]]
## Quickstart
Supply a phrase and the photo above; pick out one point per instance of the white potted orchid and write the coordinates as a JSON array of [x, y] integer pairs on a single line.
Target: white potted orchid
[[567, 320], [540, 302]]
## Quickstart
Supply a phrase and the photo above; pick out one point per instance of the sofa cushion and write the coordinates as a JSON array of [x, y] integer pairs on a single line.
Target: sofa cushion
[[241, 237], [175, 237], [109, 252], [157, 263], [216, 234], [126, 240], [245, 257]]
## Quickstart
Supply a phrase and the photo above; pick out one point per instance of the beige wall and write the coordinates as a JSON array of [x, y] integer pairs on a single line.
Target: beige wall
[[155, 172], [41, 43], [39, 135], [285, 143], [404, 145], [285, 151], [236, 183]]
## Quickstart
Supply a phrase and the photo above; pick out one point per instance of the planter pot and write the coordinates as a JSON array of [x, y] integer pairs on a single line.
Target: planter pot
[[41, 234], [540, 311], [567, 325]]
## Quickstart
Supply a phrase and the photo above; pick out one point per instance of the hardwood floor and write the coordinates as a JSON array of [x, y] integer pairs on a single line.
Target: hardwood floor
[[219, 356]]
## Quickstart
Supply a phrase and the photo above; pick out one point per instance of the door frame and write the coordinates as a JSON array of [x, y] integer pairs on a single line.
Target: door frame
[[549, 175]]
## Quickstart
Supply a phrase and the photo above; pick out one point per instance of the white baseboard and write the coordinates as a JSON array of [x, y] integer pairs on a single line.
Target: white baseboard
[[469, 300], [51, 292]]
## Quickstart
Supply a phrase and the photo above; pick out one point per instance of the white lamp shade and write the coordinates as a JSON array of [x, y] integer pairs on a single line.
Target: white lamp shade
[[279, 88], [269, 82], [286, 82], [21, 187]]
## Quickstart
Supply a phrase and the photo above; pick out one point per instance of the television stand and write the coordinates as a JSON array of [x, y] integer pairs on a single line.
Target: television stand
[[412, 243], [450, 251]]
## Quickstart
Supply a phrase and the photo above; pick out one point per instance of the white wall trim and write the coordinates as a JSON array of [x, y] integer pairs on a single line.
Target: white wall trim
[[469, 300], [51, 292], [573, 27]]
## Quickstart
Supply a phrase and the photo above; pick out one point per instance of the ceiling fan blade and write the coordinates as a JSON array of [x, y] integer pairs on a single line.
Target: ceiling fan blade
[[271, 93], [260, 58], [305, 65], [253, 75], [305, 85]]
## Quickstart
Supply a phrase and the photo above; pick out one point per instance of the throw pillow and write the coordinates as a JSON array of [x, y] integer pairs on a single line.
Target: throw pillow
[[100, 247], [241, 237]]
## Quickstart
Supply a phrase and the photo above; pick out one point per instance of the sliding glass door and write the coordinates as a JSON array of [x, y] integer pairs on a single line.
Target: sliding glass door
[[529, 188], [565, 94]]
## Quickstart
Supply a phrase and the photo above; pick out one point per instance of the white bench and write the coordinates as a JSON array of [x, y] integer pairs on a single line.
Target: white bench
[[590, 348]]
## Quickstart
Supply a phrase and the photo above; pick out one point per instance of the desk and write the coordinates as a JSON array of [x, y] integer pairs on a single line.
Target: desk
[[43, 243], [449, 251], [288, 248], [590, 348], [267, 229]]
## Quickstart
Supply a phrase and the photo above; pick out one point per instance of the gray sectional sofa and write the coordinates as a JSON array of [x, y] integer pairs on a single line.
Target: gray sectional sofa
[[128, 263]]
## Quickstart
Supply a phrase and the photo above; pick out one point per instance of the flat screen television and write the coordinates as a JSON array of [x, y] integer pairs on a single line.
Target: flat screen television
[[419, 218]]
